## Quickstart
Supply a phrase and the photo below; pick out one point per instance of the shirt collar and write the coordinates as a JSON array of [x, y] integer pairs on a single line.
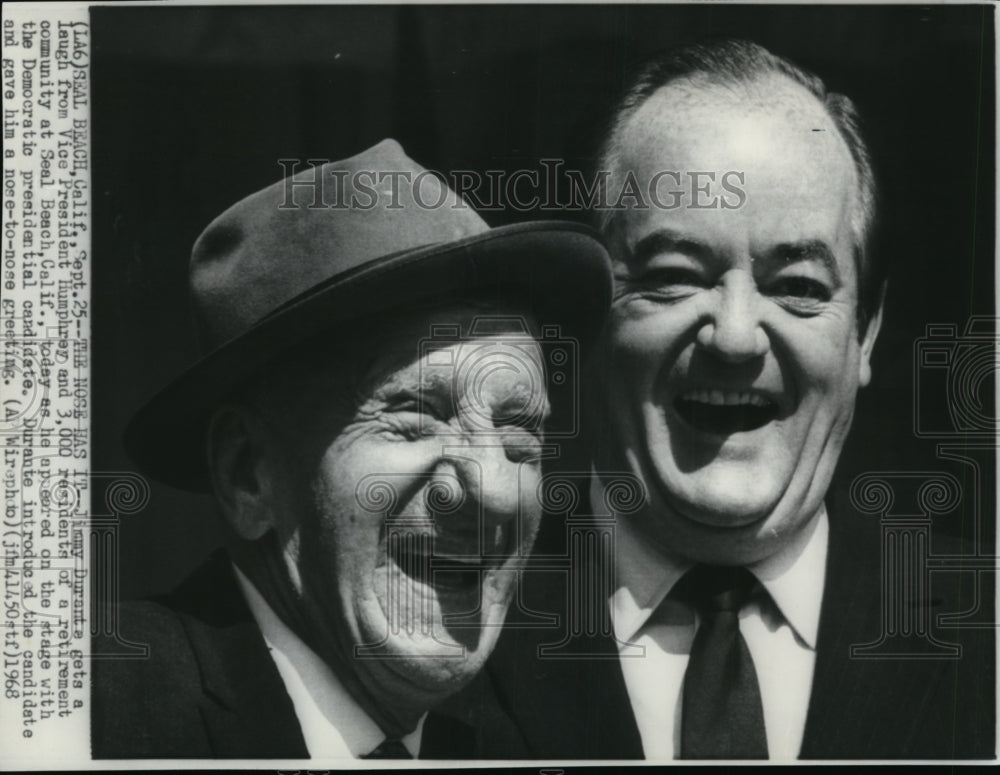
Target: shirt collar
[[333, 724], [643, 575], [793, 577]]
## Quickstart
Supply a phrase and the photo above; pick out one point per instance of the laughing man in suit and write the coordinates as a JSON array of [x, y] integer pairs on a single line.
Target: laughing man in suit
[[745, 314]]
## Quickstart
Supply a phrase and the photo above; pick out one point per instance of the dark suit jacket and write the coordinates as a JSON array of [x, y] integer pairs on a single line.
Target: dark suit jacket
[[209, 688], [578, 708]]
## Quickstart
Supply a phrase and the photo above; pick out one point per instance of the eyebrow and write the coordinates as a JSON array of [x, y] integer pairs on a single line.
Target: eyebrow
[[668, 241], [804, 250], [671, 241], [430, 379]]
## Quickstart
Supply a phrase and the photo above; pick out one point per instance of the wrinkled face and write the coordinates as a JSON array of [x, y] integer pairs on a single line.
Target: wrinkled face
[[734, 349], [409, 501]]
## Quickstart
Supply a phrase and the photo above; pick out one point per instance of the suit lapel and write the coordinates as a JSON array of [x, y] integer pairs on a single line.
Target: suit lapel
[[569, 701], [245, 708], [580, 705], [861, 708]]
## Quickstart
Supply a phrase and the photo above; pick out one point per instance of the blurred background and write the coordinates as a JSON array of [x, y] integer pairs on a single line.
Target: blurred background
[[193, 107]]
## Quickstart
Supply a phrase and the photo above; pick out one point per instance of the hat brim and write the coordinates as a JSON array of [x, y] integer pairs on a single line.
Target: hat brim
[[558, 271]]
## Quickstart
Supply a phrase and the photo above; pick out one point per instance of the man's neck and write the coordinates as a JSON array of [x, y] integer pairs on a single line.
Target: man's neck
[[261, 564], [794, 576], [333, 724]]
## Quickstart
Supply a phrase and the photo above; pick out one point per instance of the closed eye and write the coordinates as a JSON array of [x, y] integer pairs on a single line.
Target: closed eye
[[668, 283], [414, 417], [800, 288], [529, 421]]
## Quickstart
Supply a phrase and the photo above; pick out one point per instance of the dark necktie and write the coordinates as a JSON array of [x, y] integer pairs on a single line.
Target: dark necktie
[[390, 748], [721, 716]]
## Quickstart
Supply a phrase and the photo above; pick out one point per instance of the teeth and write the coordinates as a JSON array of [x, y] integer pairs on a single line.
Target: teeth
[[725, 398], [466, 548]]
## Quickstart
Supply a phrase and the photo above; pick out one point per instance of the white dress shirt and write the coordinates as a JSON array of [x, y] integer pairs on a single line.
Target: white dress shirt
[[333, 725], [780, 634]]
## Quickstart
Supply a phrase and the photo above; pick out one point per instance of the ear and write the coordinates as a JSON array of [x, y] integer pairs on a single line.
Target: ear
[[868, 341], [241, 479]]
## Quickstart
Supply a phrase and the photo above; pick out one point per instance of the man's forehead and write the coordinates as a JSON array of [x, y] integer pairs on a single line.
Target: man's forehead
[[431, 346], [437, 360], [724, 124], [773, 140], [699, 97]]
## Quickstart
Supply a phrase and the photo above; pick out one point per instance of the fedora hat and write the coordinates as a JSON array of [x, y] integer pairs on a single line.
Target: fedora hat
[[335, 245]]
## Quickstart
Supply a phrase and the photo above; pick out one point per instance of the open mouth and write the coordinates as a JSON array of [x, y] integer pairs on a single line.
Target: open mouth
[[725, 412], [449, 564]]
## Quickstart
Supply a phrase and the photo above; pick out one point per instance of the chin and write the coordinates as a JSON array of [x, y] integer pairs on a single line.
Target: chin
[[723, 496], [741, 536], [430, 665], [414, 670], [727, 510]]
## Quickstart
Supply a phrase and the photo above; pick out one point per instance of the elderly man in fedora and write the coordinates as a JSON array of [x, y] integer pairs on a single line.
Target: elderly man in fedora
[[369, 418]]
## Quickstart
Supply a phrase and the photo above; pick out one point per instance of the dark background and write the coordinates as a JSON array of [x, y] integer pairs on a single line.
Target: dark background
[[192, 108]]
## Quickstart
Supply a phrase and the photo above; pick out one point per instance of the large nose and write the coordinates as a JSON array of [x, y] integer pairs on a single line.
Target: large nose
[[491, 480], [731, 329]]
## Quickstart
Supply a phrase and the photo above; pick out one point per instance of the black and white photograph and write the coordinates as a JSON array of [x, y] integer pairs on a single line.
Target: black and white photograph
[[564, 384]]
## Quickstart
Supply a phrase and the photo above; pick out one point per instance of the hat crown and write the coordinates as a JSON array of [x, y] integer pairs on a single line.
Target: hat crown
[[352, 241], [320, 223]]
